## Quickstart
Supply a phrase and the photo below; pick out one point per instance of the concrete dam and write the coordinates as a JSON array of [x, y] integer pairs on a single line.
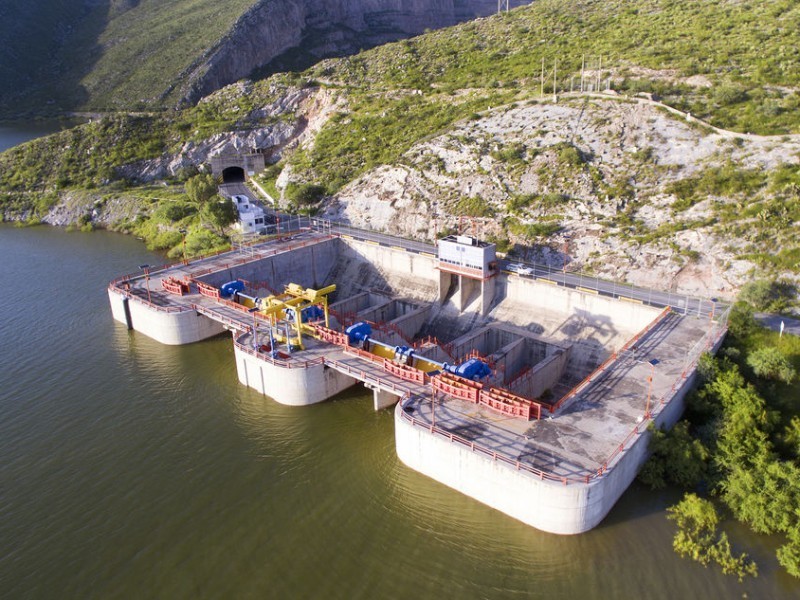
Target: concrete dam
[[531, 393]]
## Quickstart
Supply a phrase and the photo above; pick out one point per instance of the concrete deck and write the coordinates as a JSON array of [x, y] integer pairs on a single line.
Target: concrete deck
[[580, 438]]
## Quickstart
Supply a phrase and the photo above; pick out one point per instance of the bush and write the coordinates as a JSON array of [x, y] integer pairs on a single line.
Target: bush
[[473, 206], [770, 363], [697, 537], [677, 459], [768, 296], [741, 322], [201, 188], [304, 194]]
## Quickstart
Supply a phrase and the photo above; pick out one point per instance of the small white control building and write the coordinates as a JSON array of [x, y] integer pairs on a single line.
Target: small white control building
[[467, 267], [251, 216]]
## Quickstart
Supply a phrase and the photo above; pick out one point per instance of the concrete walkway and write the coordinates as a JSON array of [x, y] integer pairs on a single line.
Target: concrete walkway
[[773, 322]]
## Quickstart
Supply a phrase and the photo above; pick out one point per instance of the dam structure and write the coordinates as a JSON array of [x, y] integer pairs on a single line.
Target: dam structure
[[531, 392]]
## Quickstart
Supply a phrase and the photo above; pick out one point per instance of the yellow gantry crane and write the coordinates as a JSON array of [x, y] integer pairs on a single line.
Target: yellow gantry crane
[[292, 301]]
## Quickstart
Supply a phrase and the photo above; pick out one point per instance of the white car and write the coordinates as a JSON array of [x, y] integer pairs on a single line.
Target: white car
[[519, 269]]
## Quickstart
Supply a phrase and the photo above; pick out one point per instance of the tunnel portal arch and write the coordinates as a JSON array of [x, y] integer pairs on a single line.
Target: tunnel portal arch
[[233, 175]]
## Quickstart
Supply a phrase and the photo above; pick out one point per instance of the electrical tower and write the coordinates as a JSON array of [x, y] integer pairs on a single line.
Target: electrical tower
[[500, 4]]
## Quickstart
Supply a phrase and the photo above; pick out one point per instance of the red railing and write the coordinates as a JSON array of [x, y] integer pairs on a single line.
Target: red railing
[[366, 377], [456, 386], [330, 336], [496, 456], [404, 371], [505, 402], [175, 286], [207, 290], [286, 364]]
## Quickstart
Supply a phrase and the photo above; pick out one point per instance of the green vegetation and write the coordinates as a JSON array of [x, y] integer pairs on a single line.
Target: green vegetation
[[378, 129], [698, 537], [532, 231], [109, 55], [649, 46], [472, 206], [399, 95], [741, 443]]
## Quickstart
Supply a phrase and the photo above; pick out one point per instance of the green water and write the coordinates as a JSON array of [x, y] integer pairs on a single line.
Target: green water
[[13, 133], [135, 470]]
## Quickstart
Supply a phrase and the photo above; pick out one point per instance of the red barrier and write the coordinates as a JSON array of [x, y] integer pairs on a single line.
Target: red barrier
[[207, 290], [330, 336], [403, 371], [510, 404], [175, 286], [456, 386]]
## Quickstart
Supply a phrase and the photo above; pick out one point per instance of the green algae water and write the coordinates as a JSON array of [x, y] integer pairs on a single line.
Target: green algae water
[[129, 469]]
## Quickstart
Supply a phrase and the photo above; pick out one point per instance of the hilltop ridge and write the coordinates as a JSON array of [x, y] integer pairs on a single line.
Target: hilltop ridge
[[117, 55]]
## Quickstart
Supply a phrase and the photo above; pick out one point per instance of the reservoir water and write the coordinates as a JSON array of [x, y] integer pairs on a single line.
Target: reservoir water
[[135, 470], [14, 133]]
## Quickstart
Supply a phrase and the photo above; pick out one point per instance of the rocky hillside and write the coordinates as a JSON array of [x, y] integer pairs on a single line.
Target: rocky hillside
[[674, 169], [113, 55], [608, 186]]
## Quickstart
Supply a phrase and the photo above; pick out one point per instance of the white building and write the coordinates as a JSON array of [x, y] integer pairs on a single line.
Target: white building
[[251, 216]]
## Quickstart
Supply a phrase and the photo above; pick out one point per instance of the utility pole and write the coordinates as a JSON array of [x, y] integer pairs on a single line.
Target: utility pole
[[555, 80], [583, 65], [541, 93]]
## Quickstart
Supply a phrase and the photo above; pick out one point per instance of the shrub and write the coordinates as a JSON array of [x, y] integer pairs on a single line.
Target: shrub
[[770, 363], [304, 194], [770, 296], [697, 537]]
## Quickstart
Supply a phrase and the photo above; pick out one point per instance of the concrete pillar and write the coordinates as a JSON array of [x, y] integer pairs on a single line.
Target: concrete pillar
[[383, 399], [445, 280], [487, 294]]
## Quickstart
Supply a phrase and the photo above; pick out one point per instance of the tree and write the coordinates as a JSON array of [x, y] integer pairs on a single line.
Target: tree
[[765, 295], [201, 188], [305, 194], [770, 363], [220, 213], [789, 553], [676, 458], [697, 537]]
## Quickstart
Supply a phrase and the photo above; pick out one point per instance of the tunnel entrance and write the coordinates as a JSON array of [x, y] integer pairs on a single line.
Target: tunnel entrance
[[233, 175]]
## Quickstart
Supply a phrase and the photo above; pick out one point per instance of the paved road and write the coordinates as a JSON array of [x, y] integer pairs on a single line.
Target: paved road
[[773, 322], [681, 303]]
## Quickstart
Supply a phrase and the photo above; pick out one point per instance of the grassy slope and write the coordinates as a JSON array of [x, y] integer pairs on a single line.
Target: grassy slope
[[121, 54], [498, 57], [146, 48], [747, 49], [32, 33]]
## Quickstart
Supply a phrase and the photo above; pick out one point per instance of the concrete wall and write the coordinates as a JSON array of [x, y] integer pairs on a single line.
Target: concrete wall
[[543, 376], [625, 317], [310, 267], [367, 266], [411, 322], [547, 505], [291, 386], [353, 304], [171, 328]]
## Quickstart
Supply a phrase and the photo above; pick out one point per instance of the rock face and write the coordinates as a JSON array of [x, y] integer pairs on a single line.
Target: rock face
[[272, 27], [516, 160]]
